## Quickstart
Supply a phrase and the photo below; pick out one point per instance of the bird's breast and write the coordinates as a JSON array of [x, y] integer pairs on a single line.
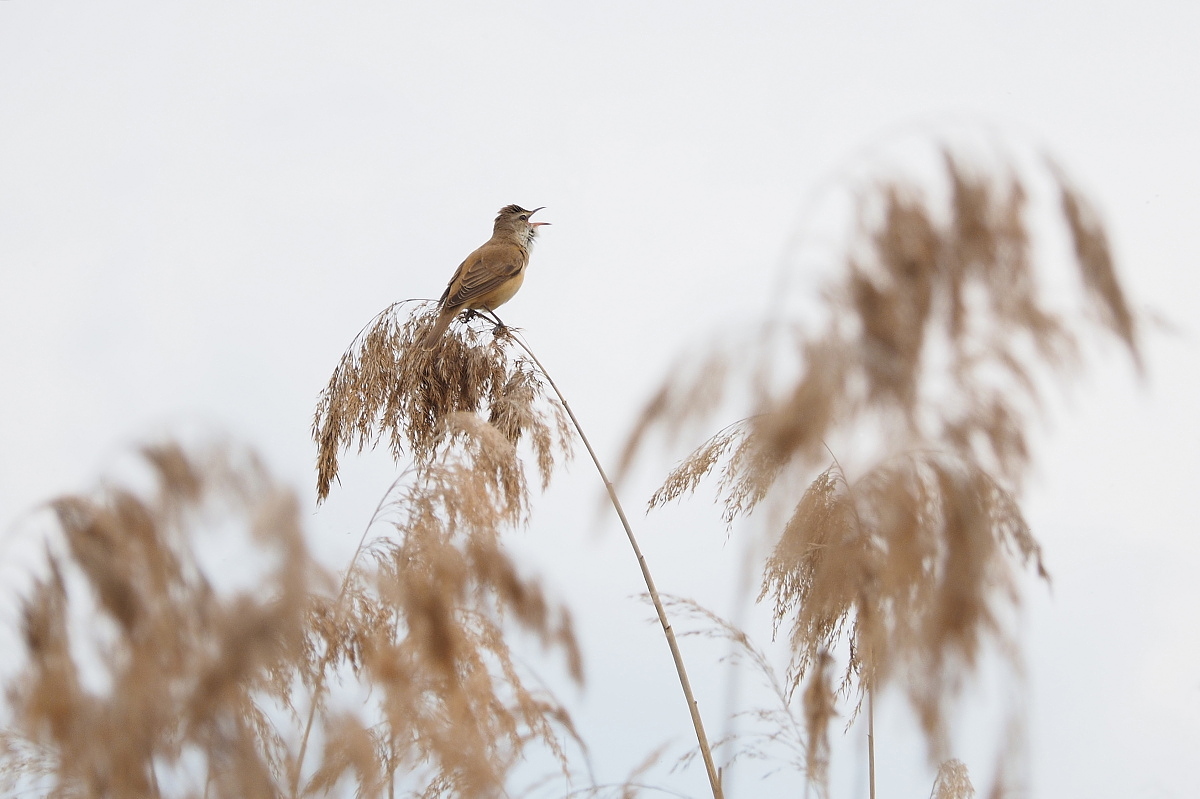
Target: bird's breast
[[505, 292]]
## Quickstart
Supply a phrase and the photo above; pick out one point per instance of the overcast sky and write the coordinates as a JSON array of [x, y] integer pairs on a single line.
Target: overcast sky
[[202, 203]]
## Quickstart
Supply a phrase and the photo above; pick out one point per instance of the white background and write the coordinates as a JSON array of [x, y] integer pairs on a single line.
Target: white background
[[202, 203]]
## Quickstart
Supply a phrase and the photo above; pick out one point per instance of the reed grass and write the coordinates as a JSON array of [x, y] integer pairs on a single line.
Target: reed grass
[[940, 344]]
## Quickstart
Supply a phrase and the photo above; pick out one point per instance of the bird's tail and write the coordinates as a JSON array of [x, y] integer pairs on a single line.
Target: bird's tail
[[438, 330]]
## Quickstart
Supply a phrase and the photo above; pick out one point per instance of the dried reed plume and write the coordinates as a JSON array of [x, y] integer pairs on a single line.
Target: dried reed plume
[[459, 416], [952, 781], [772, 733], [387, 386], [186, 668], [425, 626], [435, 402], [938, 343], [220, 694]]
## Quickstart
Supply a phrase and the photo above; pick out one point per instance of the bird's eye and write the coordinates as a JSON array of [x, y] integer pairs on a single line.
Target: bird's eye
[[524, 218]]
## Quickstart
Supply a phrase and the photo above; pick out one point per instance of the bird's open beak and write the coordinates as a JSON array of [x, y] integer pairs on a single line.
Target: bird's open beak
[[534, 211]]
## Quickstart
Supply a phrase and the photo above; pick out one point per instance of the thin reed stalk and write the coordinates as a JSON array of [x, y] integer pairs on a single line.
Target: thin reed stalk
[[327, 659], [714, 778], [871, 739]]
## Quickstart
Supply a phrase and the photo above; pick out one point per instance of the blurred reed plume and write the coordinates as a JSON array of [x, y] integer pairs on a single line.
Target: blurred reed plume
[[211, 693], [952, 782], [928, 373], [184, 668]]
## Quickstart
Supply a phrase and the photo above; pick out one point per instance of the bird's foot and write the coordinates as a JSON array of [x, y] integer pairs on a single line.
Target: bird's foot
[[500, 327]]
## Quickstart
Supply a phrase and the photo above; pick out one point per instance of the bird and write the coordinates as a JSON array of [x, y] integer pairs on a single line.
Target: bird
[[490, 276]]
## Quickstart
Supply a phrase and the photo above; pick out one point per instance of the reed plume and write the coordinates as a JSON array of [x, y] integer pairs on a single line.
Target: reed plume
[[190, 672], [464, 420], [243, 694], [932, 365], [386, 388]]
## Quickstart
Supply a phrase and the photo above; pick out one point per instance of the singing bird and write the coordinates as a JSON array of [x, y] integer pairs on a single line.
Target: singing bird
[[492, 274]]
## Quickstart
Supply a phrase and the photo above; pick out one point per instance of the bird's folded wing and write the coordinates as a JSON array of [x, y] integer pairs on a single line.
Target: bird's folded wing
[[481, 275]]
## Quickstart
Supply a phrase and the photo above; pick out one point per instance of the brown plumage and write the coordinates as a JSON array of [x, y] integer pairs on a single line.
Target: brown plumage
[[491, 275]]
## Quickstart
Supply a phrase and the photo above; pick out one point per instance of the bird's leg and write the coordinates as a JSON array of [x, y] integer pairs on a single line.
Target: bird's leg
[[491, 316], [475, 313], [484, 313]]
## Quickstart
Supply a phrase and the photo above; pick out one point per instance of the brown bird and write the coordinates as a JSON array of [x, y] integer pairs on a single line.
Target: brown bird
[[492, 274]]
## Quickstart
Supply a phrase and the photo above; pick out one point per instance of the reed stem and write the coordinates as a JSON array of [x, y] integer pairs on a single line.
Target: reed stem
[[714, 778]]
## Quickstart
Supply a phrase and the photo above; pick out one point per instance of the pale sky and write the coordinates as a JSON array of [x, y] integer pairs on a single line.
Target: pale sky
[[202, 203]]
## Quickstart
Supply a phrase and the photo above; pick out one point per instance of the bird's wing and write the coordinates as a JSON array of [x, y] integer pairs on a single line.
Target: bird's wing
[[485, 270]]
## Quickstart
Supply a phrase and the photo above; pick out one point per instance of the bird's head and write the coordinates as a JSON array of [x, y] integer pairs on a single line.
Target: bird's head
[[514, 221]]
